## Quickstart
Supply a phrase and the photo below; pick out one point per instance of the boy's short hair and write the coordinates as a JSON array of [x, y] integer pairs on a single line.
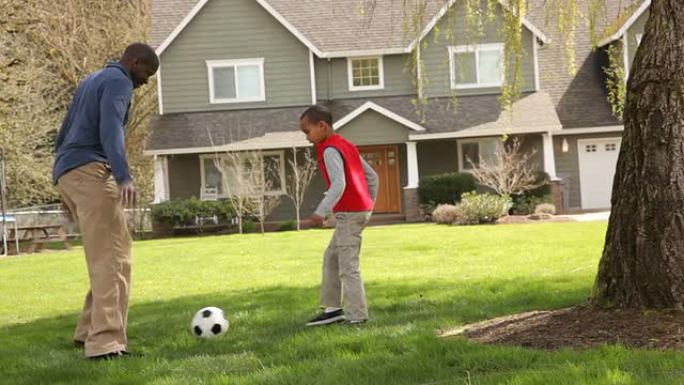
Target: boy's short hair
[[317, 113]]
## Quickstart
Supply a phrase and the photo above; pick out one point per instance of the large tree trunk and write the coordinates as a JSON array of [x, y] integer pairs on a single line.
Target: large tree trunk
[[643, 260]]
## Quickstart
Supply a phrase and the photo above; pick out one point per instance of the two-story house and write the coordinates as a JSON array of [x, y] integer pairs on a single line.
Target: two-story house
[[236, 74]]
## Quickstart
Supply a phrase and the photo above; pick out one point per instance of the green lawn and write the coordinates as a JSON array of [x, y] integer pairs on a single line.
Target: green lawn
[[420, 279]]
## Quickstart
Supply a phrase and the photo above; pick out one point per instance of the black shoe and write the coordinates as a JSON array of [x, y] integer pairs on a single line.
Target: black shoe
[[327, 318], [114, 355]]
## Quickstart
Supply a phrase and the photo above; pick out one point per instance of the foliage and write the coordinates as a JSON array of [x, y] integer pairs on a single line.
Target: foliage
[[615, 80], [545, 208], [183, 212], [444, 188], [44, 53], [482, 208]]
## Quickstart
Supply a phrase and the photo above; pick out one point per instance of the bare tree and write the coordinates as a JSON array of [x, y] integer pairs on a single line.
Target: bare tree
[[263, 200], [299, 179], [234, 182], [509, 171]]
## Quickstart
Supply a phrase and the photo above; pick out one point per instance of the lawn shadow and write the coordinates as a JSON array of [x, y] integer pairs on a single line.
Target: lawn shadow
[[267, 337]]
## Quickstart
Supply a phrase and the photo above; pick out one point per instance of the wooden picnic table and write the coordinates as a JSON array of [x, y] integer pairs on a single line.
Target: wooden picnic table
[[38, 235]]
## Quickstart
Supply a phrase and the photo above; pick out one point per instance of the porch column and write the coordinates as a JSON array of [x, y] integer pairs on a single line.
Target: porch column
[[161, 179], [411, 202], [549, 159], [556, 183]]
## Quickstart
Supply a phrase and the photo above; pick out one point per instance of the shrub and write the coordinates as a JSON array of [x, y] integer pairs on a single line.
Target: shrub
[[183, 212], [249, 226], [444, 188], [545, 208], [482, 208], [524, 204], [287, 226], [445, 214]]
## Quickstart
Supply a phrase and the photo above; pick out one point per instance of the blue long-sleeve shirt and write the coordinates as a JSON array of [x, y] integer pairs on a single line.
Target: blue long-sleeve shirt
[[93, 129]]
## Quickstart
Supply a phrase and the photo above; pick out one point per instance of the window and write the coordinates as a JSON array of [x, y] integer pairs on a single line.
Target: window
[[472, 151], [476, 66], [365, 73], [212, 178], [236, 81]]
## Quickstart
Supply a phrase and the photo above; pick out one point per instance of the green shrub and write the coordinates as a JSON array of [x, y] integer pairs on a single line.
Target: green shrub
[[482, 208], [524, 204], [183, 212], [249, 226], [287, 226], [444, 188]]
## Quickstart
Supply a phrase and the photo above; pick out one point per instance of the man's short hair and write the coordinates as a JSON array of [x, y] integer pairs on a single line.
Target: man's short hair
[[143, 52], [317, 113]]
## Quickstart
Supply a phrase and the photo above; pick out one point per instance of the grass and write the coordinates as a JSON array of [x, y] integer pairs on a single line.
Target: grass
[[420, 279]]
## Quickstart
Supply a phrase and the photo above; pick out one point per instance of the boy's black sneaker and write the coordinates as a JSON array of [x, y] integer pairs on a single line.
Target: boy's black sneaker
[[327, 318]]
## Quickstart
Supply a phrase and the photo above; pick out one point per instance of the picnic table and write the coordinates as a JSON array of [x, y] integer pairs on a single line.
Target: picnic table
[[39, 235], [11, 223]]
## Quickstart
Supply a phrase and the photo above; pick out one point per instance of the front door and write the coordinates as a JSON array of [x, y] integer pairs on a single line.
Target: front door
[[385, 162]]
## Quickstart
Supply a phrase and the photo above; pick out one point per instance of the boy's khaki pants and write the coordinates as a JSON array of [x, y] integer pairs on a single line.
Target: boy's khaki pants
[[341, 269], [92, 197]]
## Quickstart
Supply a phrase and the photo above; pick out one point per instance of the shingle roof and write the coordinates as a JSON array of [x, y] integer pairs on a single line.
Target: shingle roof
[[479, 115]]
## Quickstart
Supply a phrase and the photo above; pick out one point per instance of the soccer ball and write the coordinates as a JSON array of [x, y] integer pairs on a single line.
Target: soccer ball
[[209, 322]]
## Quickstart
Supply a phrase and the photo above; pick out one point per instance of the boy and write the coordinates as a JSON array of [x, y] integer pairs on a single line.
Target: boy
[[352, 189]]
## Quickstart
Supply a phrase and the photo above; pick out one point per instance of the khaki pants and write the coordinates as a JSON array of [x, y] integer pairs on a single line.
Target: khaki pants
[[92, 196], [341, 269]]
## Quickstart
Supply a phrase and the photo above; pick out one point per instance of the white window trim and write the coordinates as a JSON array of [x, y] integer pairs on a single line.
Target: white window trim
[[211, 64], [477, 49], [281, 191], [381, 74], [461, 142]]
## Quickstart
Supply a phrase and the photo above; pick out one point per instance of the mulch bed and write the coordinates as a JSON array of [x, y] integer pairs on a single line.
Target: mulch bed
[[581, 327]]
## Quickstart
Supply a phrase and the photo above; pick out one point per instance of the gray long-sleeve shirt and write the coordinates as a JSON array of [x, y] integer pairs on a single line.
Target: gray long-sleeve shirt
[[334, 165]]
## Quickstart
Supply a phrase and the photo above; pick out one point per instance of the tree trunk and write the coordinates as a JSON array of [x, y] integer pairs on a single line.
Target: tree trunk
[[643, 260]]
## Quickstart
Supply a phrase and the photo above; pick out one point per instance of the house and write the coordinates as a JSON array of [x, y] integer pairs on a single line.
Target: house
[[236, 74]]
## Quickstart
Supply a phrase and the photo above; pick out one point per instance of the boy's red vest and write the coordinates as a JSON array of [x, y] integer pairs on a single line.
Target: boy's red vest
[[355, 196]]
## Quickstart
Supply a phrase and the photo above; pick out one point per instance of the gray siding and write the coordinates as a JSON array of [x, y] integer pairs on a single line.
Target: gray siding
[[567, 166], [636, 28], [332, 79], [371, 128], [184, 176], [227, 30], [436, 54]]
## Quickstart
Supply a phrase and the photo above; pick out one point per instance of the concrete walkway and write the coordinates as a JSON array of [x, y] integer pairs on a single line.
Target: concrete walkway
[[587, 217]]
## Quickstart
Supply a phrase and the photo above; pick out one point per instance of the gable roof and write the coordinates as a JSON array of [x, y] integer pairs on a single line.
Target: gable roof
[[622, 29], [330, 28], [369, 105]]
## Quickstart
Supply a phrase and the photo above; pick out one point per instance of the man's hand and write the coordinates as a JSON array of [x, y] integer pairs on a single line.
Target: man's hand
[[316, 220], [127, 194]]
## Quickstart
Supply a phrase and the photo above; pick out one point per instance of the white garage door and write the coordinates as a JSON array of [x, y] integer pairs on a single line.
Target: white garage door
[[597, 162]]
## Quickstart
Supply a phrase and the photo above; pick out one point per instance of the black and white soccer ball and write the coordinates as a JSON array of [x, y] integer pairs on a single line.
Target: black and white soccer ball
[[209, 322]]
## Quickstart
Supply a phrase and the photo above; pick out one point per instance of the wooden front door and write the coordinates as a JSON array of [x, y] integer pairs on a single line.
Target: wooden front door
[[385, 162]]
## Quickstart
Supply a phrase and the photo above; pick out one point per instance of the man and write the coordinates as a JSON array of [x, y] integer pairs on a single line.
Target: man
[[91, 174], [352, 189]]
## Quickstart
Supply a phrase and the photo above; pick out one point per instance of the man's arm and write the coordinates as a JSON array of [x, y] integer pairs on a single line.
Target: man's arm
[[116, 96], [371, 179], [334, 165]]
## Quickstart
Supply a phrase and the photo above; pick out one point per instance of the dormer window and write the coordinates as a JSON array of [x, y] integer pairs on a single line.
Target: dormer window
[[365, 73]]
